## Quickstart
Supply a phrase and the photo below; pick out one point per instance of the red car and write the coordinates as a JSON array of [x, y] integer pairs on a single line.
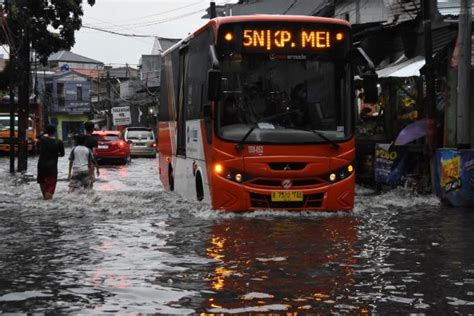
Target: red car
[[112, 145]]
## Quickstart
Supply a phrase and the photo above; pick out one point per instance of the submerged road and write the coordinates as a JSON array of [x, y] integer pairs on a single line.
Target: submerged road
[[130, 247]]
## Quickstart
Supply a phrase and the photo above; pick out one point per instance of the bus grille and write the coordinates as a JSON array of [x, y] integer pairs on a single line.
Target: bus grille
[[287, 165], [264, 201], [277, 183]]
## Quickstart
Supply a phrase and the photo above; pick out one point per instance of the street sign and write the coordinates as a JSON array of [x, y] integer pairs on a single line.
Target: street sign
[[121, 115]]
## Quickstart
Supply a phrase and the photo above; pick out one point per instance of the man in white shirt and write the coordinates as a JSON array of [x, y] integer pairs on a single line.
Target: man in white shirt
[[81, 165]]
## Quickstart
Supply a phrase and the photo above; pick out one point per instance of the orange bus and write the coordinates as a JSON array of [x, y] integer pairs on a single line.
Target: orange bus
[[257, 112], [31, 134]]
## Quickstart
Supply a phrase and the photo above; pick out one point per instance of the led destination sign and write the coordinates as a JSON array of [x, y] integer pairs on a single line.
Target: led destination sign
[[274, 39], [284, 38]]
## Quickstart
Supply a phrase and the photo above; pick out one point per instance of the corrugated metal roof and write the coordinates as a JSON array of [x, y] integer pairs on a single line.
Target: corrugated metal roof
[[404, 69], [443, 36], [402, 11], [450, 7], [68, 56]]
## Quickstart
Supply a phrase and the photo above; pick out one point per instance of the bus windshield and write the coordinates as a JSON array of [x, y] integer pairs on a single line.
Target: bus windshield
[[5, 123], [287, 100]]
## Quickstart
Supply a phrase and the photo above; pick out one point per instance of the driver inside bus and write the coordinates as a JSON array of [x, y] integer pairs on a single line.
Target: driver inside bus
[[299, 105], [230, 112]]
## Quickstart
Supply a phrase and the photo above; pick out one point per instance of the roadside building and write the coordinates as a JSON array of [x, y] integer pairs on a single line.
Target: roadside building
[[143, 94], [68, 60], [64, 88], [65, 96]]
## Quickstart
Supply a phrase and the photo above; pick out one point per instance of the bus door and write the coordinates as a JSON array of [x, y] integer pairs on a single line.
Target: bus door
[[181, 128]]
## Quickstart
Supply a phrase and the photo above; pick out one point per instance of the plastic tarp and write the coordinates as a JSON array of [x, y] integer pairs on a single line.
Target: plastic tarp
[[403, 69]]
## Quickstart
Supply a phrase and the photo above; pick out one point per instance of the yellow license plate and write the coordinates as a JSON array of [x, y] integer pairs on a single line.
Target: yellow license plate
[[296, 196]]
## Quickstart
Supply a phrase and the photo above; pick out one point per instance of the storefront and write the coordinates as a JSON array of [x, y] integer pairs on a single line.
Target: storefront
[[380, 160], [68, 125]]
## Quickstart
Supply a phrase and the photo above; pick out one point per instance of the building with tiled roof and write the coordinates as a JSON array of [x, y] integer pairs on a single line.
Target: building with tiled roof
[[68, 60]]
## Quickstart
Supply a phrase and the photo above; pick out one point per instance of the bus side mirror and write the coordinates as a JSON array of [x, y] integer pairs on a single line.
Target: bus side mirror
[[214, 77], [370, 87]]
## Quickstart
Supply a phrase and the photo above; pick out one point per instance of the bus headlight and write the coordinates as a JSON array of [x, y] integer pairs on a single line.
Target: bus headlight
[[339, 174], [231, 174], [238, 177]]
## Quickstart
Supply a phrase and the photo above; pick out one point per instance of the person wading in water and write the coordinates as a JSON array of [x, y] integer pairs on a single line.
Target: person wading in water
[[50, 149]]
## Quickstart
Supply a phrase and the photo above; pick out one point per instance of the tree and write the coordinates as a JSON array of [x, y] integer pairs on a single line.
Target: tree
[[46, 26]]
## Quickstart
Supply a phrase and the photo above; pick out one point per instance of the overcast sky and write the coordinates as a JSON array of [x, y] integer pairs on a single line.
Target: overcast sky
[[165, 18]]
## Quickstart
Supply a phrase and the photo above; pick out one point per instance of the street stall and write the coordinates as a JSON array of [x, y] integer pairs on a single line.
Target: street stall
[[390, 133]]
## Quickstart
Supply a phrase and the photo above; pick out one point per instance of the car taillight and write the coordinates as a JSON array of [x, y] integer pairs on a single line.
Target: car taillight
[[153, 145], [122, 144]]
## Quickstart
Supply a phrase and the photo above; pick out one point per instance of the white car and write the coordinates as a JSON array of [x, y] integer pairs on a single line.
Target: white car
[[142, 141]]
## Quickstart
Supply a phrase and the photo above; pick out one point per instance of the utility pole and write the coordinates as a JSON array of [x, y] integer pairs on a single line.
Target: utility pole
[[212, 10], [429, 74], [109, 102], [464, 76], [11, 76], [23, 62], [12, 110]]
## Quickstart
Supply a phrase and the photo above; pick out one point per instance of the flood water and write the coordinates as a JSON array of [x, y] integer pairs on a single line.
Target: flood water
[[130, 247]]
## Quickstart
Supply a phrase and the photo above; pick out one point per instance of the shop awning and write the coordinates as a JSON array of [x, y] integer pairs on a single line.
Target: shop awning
[[403, 69]]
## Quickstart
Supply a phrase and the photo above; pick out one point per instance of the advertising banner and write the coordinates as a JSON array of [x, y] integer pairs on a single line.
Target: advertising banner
[[389, 164], [454, 176]]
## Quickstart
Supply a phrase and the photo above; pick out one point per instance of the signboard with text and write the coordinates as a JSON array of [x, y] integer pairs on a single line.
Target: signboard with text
[[454, 176], [121, 115], [389, 164]]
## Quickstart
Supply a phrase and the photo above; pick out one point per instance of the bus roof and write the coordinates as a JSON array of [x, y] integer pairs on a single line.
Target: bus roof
[[217, 22], [277, 18]]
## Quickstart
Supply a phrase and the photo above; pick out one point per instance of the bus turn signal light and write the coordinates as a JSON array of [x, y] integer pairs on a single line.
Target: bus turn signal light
[[218, 168], [350, 168]]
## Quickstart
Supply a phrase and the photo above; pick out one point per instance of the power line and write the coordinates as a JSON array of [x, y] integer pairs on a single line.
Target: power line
[[128, 26], [166, 12], [291, 6], [116, 33], [149, 24]]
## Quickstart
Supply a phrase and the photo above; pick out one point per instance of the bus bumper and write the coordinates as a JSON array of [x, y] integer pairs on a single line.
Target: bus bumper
[[235, 197]]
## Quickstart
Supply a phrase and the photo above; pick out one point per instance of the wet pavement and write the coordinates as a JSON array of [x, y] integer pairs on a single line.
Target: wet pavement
[[130, 247]]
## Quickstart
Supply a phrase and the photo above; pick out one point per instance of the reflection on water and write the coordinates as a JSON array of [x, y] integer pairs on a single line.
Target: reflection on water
[[128, 247], [290, 265]]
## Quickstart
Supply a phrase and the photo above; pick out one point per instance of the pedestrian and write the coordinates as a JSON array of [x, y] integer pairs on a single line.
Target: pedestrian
[[81, 165], [92, 143], [50, 149]]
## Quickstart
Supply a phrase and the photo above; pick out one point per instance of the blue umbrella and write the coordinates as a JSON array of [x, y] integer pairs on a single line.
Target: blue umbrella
[[411, 132]]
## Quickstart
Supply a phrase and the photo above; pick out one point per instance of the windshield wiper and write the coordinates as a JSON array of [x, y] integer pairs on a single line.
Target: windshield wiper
[[329, 140], [240, 144]]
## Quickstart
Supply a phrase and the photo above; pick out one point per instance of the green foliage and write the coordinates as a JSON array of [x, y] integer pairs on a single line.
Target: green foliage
[[51, 24]]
